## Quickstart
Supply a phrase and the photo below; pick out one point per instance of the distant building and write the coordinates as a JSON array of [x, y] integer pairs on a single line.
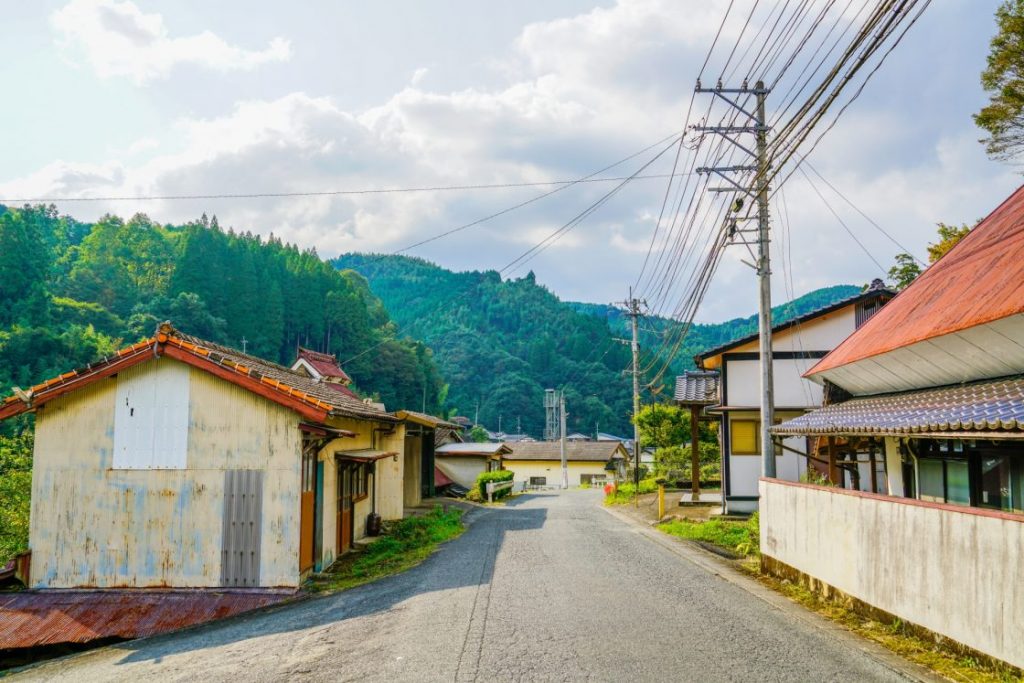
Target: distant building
[[796, 345], [539, 464], [177, 462], [576, 436], [464, 462]]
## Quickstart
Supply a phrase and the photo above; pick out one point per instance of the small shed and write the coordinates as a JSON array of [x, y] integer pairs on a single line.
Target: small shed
[[464, 462]]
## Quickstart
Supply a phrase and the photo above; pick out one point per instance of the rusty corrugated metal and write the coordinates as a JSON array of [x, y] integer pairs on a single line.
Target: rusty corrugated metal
[[980, 280], [240, 542], [36, 618]]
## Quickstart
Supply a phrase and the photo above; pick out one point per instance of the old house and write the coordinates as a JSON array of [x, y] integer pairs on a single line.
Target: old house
[[538, 464], [422, 433], [932, 386], [178, 462], [462, 463], [797, 344]]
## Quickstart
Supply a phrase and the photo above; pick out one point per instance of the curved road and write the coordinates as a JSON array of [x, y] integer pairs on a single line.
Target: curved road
[[551, 587]]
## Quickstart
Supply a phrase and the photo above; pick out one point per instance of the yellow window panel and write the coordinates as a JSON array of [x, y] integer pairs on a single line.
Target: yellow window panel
[[743, 437]]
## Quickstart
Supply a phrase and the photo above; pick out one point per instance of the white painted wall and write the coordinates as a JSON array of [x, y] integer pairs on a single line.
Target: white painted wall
[[743, 383], [745, 470], [955, 571]]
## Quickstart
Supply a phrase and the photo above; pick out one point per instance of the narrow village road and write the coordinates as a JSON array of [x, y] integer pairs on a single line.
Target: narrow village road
[[548, 588]]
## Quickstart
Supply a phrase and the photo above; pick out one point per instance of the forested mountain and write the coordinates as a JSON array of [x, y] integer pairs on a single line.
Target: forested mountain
[[501, 343], [71, 292], [701, 337]]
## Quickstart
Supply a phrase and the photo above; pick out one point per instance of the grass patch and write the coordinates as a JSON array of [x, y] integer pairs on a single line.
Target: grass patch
[[895, 636], [742, 538], [404, 545], [623, 493]]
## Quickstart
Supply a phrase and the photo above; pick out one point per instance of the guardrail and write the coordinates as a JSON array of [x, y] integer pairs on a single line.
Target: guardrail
[[496, 486]]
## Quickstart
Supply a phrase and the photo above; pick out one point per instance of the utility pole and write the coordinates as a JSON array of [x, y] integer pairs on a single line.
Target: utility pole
[[633, 311], [476, 416], [561, 445], [755, 123], [245, 343], [499, 424], [519, 424]]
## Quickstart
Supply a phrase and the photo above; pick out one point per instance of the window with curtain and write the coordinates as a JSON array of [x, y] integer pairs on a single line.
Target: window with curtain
[[743, 437]]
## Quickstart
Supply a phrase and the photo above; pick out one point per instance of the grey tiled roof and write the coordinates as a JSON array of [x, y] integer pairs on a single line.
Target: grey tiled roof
[[697, 386], [990, 406]]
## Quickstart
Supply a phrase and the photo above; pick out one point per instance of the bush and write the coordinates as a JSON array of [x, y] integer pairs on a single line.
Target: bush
[[743, 538], [496, 477], [15, 493]]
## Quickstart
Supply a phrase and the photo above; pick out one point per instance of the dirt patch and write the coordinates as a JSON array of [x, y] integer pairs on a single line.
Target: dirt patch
[[647, 508]]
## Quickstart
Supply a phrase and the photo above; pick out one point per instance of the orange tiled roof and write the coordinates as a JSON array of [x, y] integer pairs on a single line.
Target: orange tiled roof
[[314, 399], [978, 281]]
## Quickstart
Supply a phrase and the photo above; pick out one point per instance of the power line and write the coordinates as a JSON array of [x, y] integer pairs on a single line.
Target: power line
[[332, 193]]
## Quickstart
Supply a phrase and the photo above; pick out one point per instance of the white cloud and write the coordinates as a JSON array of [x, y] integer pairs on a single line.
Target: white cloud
[[577, 93], [118, 39]]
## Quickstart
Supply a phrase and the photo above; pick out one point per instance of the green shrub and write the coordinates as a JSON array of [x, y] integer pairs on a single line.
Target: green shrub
[[497, 477], [743, 538]]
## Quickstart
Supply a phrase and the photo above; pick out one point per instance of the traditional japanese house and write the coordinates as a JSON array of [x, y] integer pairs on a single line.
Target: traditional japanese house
[[933, 386], [178, 462], [797, 344], [421, 436], [538, 464]]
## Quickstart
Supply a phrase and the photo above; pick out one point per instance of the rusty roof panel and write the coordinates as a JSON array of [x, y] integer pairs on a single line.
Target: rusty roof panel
[[36, 618], [978, 281], [993, 407]]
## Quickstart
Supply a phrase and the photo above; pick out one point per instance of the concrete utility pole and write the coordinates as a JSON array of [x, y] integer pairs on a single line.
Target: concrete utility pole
[[755, 123], [633, 311], [561, 445]]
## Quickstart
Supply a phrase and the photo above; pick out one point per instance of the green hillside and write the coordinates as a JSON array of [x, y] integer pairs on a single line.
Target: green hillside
[[500, 343], [71, 292], [654, 329]]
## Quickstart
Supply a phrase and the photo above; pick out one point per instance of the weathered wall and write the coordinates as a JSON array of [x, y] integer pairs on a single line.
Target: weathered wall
[[388, 479], [413, 470], [93, 525], [955, 571], [462, 469], [552, 469]]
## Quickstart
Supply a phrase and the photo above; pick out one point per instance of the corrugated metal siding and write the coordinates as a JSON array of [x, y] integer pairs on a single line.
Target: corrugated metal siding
[[96, 526], [151, 416], [240, 538]]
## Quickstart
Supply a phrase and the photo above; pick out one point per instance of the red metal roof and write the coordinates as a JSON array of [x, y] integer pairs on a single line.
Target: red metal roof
[[978, 281], [34, 618], [324, 363]]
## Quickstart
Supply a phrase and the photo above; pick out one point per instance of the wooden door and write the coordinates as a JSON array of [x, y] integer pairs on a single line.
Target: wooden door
[[344, 507], [307, 527]]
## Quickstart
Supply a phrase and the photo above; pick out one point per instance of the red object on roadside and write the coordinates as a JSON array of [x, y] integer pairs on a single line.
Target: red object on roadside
[[609, 489]]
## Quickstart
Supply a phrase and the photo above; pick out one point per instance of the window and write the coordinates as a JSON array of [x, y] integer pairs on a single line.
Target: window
[[538, 481], [361, 481], [743, 437], [308, 471], [944, 481]]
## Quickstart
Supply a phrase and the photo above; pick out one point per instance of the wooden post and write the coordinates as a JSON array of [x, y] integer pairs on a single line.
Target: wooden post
[[833, 468], [874, 472], [694, 454], [661, 501]]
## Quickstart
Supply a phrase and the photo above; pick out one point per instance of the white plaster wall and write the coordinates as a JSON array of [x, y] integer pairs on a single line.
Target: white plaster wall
[[956, 572], [821, 334], [743, 378], [462, 469], [552, 470]]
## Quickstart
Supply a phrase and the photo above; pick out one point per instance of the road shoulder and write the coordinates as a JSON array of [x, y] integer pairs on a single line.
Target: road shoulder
[[724, 569]]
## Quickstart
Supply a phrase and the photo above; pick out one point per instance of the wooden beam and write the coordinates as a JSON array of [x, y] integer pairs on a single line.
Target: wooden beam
[[833, 470], [874, 473], [255, 386], [694, 455]]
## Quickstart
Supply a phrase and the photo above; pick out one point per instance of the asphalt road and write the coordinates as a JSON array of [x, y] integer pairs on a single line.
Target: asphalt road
[[550, 588]]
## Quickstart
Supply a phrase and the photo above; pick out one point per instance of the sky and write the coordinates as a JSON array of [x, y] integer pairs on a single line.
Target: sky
[[129, 99]]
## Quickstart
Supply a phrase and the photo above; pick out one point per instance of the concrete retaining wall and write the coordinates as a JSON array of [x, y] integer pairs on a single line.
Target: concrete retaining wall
[[954, 571]]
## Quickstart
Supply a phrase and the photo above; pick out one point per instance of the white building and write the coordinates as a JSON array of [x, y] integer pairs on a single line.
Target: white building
[[797, 345]]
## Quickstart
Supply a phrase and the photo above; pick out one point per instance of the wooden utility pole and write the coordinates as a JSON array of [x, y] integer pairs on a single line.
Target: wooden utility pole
[[694, 454], [632, 306], [755, 123]]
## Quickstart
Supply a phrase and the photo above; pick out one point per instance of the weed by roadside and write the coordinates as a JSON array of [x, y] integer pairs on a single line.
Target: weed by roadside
[[894, 636], [623, 493], [404, 545], [739, 537]]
